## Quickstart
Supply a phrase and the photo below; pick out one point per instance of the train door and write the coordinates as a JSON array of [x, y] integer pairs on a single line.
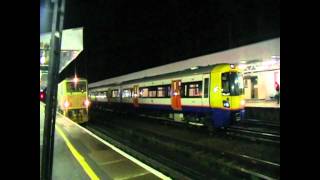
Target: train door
[[135, 96], [175, 95], [205, 91]]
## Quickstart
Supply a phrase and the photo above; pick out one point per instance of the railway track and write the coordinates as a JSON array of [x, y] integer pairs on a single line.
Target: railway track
[[241, 164], [248, 130], [262, 135], [253, 135], [267, 125]]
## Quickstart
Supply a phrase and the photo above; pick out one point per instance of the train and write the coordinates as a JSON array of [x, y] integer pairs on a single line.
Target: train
[[211, 95], [72, 99]]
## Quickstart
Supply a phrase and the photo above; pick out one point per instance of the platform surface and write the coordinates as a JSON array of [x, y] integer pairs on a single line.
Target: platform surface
[[79, 154], [262, 103]]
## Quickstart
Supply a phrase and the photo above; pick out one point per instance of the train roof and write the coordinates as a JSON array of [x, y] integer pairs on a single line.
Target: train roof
[[198, 70], [185, 72]]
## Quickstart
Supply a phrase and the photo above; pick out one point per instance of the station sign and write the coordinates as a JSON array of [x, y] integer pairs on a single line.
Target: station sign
[[267, 65]]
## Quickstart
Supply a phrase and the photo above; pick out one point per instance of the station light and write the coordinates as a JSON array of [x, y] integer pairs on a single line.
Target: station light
[[87, 103], [75, 79], [242, 66], [42, 60], [193, 68], [66, 104]]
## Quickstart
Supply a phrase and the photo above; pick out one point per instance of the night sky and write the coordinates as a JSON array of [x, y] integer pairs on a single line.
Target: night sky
[[121, 37]]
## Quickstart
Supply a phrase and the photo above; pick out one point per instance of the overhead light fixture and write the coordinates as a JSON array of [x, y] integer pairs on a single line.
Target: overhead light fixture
[[193, 68], [42, 60]]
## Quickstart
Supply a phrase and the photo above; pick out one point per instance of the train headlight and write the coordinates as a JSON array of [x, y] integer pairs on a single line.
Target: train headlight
[[66, 104], [87, 103], [226, 104]]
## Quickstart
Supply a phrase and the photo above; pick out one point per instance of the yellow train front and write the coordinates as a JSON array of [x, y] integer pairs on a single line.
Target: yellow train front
[[226, 95], [73, 99]]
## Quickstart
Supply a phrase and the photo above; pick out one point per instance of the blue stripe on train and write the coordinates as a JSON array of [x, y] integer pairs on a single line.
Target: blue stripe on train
[[193, 109], [223, 117]]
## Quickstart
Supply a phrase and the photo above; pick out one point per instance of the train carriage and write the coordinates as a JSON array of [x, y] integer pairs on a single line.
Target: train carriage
[[211, 95], [73, 99]]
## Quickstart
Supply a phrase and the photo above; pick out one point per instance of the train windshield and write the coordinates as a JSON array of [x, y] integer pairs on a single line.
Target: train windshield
[[232, 83], [80, 86]]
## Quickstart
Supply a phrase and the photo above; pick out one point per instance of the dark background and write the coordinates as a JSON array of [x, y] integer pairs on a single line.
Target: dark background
[[125, 36]]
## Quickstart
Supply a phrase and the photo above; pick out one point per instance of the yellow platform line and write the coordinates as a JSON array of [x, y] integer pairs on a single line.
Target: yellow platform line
[[78, 156]]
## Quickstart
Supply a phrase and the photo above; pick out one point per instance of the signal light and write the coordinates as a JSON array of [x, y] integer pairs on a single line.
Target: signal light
[[41, 96]]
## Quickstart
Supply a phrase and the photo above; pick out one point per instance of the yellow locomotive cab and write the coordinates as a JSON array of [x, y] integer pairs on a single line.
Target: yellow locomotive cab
[[73, 99], [227, 95]]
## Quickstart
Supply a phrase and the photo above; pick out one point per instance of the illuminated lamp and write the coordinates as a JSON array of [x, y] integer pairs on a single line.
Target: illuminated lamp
[[87, 103], [242, 66], [75, 79], [42, 60], [66, 104]]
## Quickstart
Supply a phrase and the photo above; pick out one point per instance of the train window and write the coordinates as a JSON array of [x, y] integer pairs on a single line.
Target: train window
[[225, 83], [184, 90], [161, 92], [115, 93], [144, 92], [232, 83], [193, 89], [126, 93], [78, 87], [206, 86], [152, 92]]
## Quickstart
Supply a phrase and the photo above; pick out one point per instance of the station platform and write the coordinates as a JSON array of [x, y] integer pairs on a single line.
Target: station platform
[[79, 154], [262, 103]]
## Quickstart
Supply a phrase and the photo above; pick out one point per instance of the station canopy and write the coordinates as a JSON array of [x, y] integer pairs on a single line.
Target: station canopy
[[263, 51], [71, 45]]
